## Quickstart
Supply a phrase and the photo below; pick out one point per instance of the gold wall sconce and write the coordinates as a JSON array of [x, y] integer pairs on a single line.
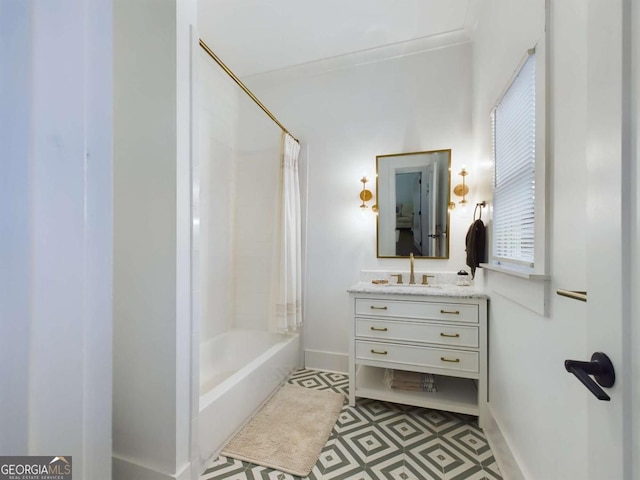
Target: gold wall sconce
[[461, 190], [366, 195]]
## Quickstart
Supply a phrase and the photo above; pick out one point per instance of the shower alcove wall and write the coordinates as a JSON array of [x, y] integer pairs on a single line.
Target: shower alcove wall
[[236, 176]]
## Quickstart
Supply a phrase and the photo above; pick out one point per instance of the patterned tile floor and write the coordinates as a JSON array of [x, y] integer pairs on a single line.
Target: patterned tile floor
[[379, 440]]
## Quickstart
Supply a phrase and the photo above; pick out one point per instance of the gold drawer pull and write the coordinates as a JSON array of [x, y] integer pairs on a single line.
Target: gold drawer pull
[[457, 360], [452, 312], [378, 353], [376, 329], [455, 335], [378, 308]]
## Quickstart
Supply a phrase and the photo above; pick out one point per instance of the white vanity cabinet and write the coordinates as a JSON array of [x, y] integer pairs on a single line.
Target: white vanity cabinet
[[433, 333]]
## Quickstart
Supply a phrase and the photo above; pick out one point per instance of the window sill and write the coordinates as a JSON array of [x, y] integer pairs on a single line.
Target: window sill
[[515, 271], [528, 289]]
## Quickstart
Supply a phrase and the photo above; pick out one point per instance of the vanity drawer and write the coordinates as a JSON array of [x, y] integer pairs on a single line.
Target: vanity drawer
[[419, 356], [397, 330], [450, 312]]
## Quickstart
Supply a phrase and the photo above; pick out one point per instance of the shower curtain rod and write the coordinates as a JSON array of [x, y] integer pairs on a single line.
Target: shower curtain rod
[[246, 90]]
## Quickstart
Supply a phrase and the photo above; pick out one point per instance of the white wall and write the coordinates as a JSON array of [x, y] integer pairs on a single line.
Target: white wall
[[635, 209], [404, 189], [154, 399], [218, 98], [256, 210], [346, 117], [15, 226], [540, 409], [240, 151], [635, 219], [56, 232]]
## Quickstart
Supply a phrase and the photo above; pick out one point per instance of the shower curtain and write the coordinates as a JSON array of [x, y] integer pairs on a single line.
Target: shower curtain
[[288, 284]]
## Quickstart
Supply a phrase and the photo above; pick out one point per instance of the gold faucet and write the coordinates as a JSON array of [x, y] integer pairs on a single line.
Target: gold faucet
[[412, 277], [425, 279]]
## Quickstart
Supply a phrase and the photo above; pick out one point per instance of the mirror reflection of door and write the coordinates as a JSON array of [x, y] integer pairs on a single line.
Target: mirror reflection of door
[[411, 226], [416, 180], [431, 212]]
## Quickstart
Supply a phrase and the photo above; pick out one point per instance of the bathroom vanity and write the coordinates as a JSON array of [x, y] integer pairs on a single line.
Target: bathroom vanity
[[439, 329]]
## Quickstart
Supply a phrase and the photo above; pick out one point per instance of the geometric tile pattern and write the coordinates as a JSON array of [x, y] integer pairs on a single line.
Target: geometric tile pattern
[[379, 440]]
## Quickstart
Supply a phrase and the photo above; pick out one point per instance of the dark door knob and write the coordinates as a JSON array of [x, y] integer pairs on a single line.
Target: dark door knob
[[602, 370]]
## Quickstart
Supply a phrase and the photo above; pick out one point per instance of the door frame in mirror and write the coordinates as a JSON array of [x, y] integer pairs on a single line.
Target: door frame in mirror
[[386, 210]]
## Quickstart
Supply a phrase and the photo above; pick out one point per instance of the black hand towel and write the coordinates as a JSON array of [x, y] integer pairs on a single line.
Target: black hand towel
[[475, 242]]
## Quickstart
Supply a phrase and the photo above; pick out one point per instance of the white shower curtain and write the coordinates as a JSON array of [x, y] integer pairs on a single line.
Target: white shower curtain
[[288, 284]]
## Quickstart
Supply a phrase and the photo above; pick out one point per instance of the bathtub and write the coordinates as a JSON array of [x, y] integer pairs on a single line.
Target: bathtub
[[239, 370]]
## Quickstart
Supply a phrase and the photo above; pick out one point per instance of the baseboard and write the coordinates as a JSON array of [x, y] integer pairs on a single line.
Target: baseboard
[[507, 463], [326, 361], [124, 469]]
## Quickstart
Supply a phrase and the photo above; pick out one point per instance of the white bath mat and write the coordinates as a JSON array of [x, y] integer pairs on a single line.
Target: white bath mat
[[288, 433]]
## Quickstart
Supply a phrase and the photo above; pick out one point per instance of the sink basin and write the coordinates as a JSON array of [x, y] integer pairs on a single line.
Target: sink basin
[[415, 285]]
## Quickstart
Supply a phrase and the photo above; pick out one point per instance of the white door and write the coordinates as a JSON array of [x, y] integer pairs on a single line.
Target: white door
[[611, 232], [417, 212], [432, 178], [429, 212]]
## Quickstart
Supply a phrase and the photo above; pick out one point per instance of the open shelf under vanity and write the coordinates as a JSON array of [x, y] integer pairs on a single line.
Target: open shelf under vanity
[[454, 394]]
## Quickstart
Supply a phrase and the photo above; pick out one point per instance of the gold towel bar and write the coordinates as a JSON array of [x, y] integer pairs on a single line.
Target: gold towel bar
[[575, 294]]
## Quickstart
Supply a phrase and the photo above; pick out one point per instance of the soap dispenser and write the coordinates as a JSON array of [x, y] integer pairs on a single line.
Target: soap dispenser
[[463, 279]]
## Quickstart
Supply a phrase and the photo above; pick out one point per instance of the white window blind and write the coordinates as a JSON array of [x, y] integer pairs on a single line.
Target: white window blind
[[514, 151]]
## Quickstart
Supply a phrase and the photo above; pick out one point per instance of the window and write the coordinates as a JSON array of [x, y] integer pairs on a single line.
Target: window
[[515, 240]]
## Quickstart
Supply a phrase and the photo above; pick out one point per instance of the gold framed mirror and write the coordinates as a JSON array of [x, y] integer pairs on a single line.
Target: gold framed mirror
[[413, 194]]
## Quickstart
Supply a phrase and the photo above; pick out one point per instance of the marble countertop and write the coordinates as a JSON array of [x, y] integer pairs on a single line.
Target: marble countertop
[[443, 290]]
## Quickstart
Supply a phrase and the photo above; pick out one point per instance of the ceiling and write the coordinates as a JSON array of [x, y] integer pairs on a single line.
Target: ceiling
[[259, 36]]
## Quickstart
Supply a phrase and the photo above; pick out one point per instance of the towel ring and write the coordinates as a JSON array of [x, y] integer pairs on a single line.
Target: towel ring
[[481, 205]]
